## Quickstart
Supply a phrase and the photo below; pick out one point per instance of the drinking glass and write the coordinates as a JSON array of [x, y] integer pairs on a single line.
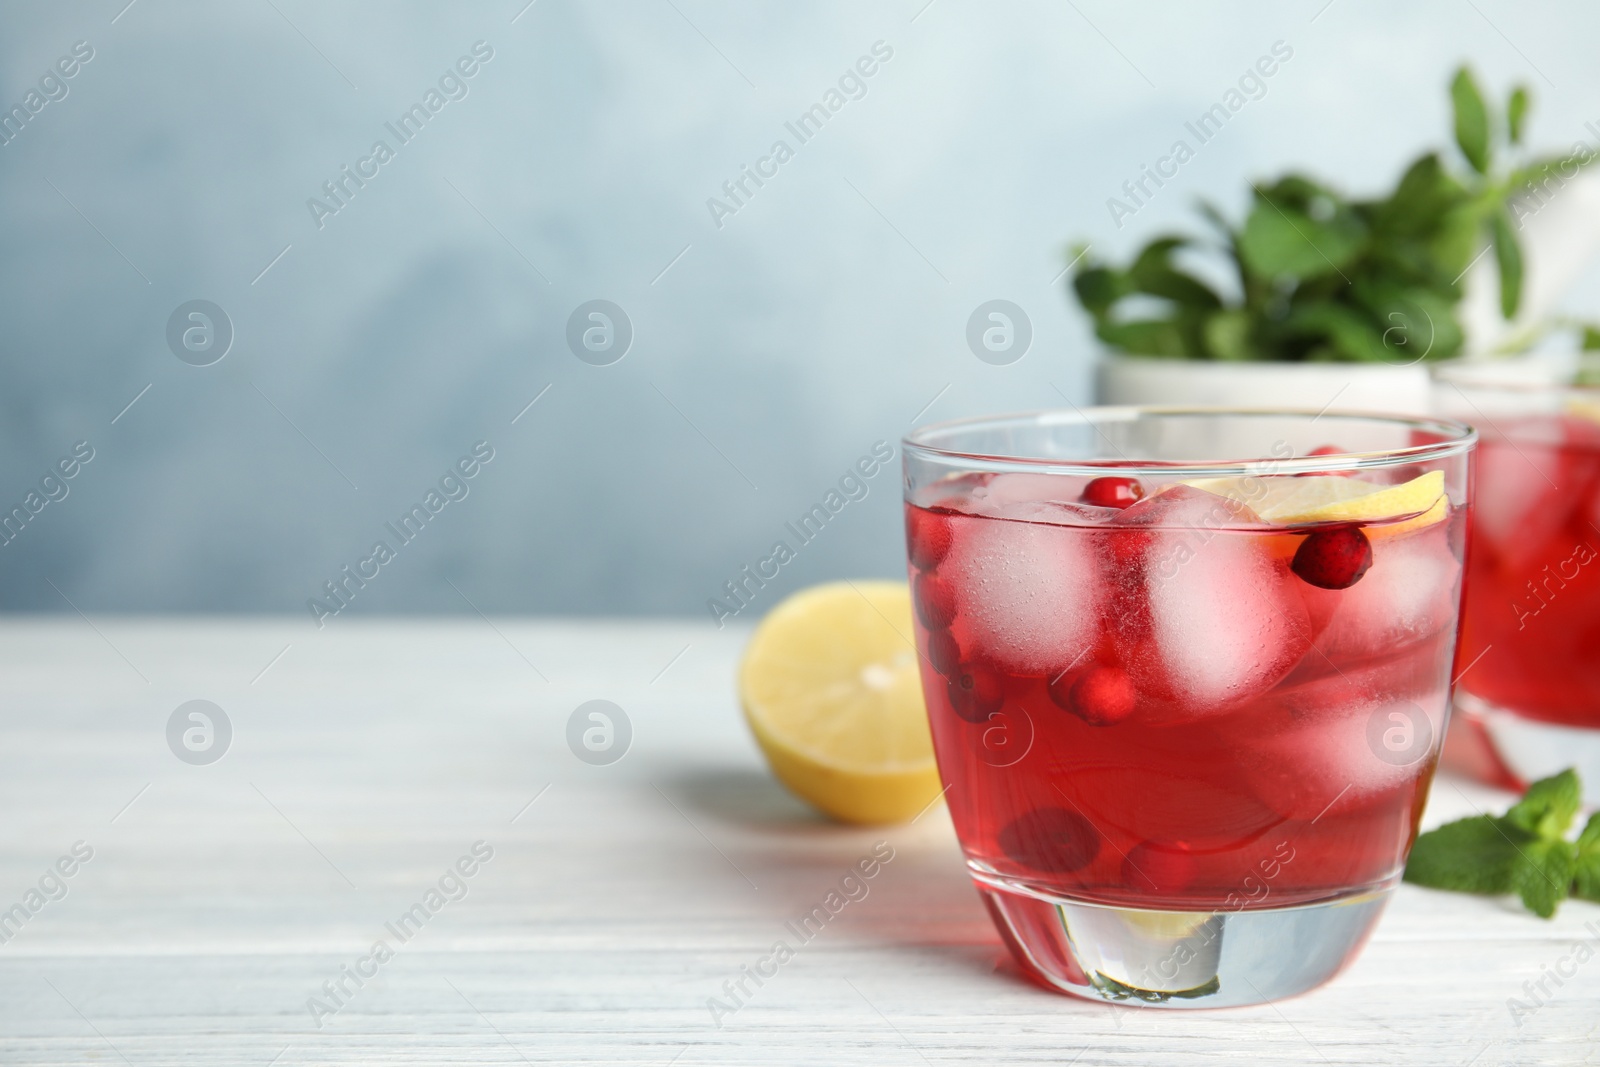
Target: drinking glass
[[1187, 675], [1530, 629]]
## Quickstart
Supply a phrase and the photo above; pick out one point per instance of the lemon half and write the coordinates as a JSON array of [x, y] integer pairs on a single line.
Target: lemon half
[[830, 688]]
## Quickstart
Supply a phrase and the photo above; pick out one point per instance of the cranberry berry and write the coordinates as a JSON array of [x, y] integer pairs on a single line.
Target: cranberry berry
[[927, 536], [1100, 696], [1052, 840], [975, 694], [1113, 492], [943, 651], [1333, 558], [936, 601]]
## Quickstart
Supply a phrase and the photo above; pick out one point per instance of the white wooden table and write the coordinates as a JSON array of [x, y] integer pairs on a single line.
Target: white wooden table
[[372, 755]]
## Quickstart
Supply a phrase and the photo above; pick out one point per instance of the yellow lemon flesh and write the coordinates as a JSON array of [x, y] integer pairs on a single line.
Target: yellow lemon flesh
[[1584, 408], [830, 688], [1289, 501]]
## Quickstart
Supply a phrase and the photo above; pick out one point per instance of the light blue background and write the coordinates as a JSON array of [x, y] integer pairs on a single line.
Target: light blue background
[[825, 315]]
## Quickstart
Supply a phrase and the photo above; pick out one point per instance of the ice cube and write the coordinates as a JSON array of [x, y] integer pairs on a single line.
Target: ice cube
[[1341, 753], [1055, 512], [1408, 594], [1518, 505], [1004, 489], [1227, 623], [1049, 498], [1027, 595]]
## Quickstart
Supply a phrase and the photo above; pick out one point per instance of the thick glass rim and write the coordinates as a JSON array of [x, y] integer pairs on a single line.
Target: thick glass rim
[[1480, 374], [1456, 438]]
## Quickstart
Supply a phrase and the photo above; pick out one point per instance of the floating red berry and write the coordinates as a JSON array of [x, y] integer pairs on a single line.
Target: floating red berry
[[1113, 492], [975, 694], [927, 537], [1100, 696], [943, 652], [936, 601], [1055, 840], [1333, 558]]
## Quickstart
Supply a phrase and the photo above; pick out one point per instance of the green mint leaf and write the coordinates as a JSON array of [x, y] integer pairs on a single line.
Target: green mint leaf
[[1537, 177], [1351, 335], [1419, 203], [1508, 255], [1177, 286], [1157, 252], [1281, 241], [1417, 323], [1146, 337], [1591, 337], [1516, 112], [1586, 880], [1524, 851], [1227, 335], [1472, 120], [1474, 855], [1153, 273], [1547, 808], [1099, 287], [1454, 242], [1543, 874]]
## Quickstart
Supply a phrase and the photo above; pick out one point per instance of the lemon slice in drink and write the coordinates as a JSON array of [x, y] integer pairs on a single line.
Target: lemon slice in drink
[[1288, 501], [1584, 408], [830, 688]]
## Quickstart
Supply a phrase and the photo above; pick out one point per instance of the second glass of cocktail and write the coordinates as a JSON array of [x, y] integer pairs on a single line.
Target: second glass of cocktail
[[1187, 675], [1530, 634]]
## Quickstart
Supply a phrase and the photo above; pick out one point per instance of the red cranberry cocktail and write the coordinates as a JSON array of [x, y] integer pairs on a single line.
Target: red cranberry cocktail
[[1187, 674], [1530, 628]]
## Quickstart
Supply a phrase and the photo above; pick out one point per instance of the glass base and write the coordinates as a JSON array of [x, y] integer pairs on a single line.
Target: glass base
[[1531, 749], [1177, 959]]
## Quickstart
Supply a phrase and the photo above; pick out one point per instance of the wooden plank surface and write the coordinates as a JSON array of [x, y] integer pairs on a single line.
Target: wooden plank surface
[[369, 757]]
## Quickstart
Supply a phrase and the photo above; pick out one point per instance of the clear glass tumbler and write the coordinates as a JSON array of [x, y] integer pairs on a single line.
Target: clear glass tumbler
[[1530, 630], [1187, 674]]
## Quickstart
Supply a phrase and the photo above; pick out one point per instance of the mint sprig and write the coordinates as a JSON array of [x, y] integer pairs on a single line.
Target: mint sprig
[[1586, 883], [1548, 806], [1525, 851], [1318, 275]]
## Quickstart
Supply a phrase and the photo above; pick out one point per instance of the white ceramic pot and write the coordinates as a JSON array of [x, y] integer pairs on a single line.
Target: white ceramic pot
[[1370, 387]]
